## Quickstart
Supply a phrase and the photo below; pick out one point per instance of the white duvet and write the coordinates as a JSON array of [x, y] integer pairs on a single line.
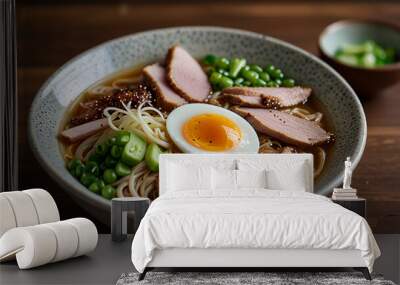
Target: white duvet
[[253, 218]]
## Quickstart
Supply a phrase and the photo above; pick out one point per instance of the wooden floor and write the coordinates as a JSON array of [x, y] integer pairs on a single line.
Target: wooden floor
[[50, 34]]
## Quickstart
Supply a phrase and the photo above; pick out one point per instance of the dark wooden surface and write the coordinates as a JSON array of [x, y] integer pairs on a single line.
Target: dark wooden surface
[[358, 206], [49, 35]]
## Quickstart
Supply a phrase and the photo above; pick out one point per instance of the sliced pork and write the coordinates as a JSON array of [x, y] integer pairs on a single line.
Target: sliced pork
[[186, 76], [271, 97], [242, 100], [83, 131], [166, 98], [285, 127]]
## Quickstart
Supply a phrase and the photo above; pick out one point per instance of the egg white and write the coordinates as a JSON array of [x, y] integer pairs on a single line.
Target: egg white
[[249, 142]]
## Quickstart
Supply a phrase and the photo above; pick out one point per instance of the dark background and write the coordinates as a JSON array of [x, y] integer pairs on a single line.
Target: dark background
[[51, 33]]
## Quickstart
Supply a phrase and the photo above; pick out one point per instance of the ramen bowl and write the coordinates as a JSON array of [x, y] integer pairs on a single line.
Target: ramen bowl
[[340, 104]]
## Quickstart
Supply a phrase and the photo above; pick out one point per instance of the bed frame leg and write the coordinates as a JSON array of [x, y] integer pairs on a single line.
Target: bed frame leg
[[143, 274], [364, 271]]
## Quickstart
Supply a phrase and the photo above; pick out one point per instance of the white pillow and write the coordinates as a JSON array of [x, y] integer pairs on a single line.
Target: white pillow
[[294, 178], [251, 178], [224, 179], [286, 173], [183, 178]]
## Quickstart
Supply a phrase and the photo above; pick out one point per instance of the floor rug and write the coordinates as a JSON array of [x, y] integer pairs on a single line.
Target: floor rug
[[244, 278]]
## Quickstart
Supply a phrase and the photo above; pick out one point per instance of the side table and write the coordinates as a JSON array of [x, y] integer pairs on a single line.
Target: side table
[[119, 215], [358, 206]]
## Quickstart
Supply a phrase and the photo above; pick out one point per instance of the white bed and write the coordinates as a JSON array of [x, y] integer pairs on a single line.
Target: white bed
[[248, 226]]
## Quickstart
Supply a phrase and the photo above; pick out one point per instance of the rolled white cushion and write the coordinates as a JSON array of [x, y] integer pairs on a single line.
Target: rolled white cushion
[[7, 218], [33, 246], [45, 205], [67, 240], [40, 244], [87, 235], [23, 208]]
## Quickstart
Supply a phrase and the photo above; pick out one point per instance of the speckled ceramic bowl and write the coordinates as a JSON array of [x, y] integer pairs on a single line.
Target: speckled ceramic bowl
[[341, 104]]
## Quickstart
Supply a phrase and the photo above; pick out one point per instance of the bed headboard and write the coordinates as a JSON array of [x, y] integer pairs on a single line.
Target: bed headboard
[[229, 161]]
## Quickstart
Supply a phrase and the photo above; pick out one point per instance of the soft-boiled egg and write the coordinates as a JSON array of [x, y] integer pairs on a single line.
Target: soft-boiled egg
[[204, 128]]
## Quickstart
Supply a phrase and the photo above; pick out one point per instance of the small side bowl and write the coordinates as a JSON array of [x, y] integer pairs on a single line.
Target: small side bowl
[[367, 82]]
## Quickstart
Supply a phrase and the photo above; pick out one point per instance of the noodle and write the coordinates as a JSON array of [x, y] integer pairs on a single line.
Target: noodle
[[84, 146], [120, 189], [108, 133], [151, 127], [319, 161], [305, 114], [142, 181]]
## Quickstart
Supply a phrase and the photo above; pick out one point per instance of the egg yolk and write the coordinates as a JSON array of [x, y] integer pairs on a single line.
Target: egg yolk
[[211, 132]]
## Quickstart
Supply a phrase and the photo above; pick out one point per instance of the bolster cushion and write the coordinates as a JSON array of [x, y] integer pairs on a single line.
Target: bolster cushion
[[40, 244]]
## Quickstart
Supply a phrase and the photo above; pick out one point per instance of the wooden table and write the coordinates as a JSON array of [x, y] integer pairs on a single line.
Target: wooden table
[[50, 34]]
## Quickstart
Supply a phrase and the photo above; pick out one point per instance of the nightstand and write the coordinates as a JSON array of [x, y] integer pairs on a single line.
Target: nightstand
[[358, 206], [119, 215]]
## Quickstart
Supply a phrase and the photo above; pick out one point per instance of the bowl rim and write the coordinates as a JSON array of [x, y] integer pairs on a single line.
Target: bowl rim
[[97, 200], [341, 23]]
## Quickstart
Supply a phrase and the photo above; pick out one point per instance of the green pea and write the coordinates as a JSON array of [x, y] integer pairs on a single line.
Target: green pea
[[116, 151], [78, 170], [210, 70], [110, 161], [210, 59], [250, 75], [260, 83], [96, 158], [113, 141], [222, 62], [92, 168], [215, 78], [278, 82], [108, 192], [221, 71], [87, 179], [264, 76], [238, 81], [73, 163], [122, 169], [109, 176], [225, 82], [122, 138], [272, 84], [288, 82], [269, 69], [246, 83], [101, 149], [277, 74], [256, 68], [244, 69], [235, 67], [96, 186]]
